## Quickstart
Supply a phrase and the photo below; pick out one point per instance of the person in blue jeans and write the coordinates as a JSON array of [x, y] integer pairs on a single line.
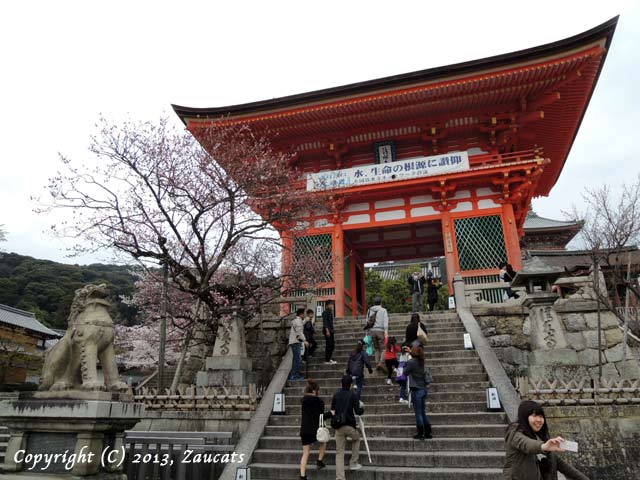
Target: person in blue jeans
[[358, 359], [414, 370], [296, 340]]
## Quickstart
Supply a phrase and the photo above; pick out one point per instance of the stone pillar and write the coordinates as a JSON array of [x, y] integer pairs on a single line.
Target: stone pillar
[[449, 238], [338, 268], [511, 238], [228, 365]]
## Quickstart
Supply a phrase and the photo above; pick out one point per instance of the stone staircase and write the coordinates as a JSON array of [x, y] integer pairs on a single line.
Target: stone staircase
[[4, 440], [467, 440]]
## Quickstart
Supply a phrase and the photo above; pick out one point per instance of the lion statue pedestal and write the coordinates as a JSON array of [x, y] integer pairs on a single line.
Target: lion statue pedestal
[[75, 412]]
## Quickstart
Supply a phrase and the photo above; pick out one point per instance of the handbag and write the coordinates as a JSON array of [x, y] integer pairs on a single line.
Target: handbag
[[323, 435], [422, 335], [428, 378]]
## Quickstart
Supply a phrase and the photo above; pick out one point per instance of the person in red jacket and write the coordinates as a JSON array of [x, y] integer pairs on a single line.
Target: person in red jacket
[[391, 350]]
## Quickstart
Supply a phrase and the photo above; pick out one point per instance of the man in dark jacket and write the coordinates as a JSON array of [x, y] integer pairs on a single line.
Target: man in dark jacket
[[416, 283], [344, 407], [328, 332], [309, 335]]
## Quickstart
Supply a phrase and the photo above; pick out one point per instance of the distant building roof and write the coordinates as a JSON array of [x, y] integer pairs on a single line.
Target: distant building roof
[[534, 222], [23, 319]]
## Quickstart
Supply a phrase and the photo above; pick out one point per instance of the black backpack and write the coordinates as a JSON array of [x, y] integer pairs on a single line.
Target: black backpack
[[371, 320]]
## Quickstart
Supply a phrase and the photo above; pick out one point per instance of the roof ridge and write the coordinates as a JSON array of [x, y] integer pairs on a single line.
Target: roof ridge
[[17, 310]]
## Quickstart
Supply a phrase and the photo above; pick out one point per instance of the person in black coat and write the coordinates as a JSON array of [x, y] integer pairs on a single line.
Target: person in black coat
[[312, 408], [432, 293], [411, 333], [309, 335], [328, 333], [344, 408]]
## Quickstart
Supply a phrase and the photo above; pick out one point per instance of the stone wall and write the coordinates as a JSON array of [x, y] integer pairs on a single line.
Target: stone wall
[[574, 348], [266, 345], [507, 329], [608, 439]]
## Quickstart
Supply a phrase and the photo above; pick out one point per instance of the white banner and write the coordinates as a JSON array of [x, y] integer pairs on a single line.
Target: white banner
[[388, 172]]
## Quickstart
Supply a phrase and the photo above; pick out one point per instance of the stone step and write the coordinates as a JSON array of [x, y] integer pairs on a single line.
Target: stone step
[[408, 418], [396, 407], [448, 346], [268, 471], [428, 354], [450, 337], [406, 431], [355, 327], [296, 389], [380, 379], [276, 471], [318, 364], [399, 444], [393, 394], [398, 330], [436, 370], [427, 458]]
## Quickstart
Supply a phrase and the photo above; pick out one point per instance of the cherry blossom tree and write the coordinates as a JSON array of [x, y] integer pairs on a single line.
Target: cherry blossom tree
[[203, 209], [155, 194]]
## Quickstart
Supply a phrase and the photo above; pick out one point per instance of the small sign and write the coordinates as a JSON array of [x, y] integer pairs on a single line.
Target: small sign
[[468, 344], [452, 303], [243, 473], [278, 404], [385, 152], [493, 401], [319, 310]]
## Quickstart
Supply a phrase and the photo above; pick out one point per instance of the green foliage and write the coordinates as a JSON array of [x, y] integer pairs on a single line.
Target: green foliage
[[396, 295], [46, 288]]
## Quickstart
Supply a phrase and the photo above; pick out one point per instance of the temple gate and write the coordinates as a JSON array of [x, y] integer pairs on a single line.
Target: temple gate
[[439, 162]]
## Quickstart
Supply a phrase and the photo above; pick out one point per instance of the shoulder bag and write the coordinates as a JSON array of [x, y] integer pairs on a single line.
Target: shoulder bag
[[323, 435]]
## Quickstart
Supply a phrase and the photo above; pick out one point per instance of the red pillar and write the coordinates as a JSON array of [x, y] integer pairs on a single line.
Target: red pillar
[[352, 274], [287, 264], [511, 238], [449, 238], [338, 268]]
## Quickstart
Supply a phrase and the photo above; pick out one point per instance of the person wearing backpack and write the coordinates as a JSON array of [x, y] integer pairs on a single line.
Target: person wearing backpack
[[344, 407], [358, 359], [415, 372], [378, 328]]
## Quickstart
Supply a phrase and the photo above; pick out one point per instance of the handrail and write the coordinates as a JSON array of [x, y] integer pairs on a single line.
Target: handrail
[[498, 377]]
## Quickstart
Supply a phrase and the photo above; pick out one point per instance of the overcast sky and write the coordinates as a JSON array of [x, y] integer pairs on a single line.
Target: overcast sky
[[63, 63]]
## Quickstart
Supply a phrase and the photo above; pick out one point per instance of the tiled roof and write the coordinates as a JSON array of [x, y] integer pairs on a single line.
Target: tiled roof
[[533, 221], [20, 318]]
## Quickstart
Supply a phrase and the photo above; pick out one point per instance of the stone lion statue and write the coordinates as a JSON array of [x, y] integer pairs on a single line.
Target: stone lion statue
[[71, 363]]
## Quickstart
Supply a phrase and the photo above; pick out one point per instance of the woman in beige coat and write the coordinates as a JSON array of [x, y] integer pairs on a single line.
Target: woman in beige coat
[[530, 453]]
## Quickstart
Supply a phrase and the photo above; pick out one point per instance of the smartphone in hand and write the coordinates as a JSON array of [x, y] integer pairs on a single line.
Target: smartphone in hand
[[569, 446]]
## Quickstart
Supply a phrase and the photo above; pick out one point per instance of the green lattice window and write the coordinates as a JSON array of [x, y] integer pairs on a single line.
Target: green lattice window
[[315, 253], [480, 242]]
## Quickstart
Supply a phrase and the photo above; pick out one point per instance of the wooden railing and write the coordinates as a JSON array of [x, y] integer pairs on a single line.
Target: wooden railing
[[584, 391], [200, 398]]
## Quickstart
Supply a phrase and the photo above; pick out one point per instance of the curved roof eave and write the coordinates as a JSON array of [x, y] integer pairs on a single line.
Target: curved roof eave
[[604, 30]]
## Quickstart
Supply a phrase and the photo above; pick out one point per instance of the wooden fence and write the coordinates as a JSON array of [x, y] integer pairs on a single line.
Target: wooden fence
[[200, 398], [584, 391]]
